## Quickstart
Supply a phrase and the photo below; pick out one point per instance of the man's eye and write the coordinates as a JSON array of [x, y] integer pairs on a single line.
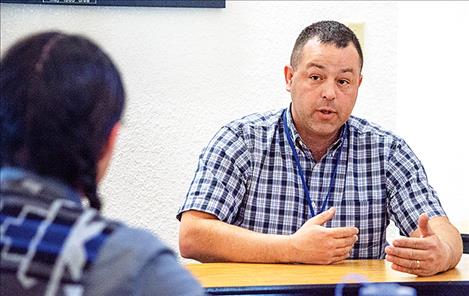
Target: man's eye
[[344, 82], [315, 77]]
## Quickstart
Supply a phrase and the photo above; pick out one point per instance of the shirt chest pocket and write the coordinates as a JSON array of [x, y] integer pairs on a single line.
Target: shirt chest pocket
[[367, 210]]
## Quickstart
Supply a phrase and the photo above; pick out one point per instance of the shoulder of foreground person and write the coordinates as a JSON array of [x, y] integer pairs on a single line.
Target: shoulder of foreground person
[[134, 262]]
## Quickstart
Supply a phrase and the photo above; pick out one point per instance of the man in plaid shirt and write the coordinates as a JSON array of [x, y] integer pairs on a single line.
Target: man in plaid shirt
[[313, 184]]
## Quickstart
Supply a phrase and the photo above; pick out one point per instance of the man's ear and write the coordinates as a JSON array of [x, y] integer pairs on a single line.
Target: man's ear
[[288, 72], [106, 153], [360, 80]]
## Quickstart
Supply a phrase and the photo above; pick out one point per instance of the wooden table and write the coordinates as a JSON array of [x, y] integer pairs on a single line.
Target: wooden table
[[281, 279]]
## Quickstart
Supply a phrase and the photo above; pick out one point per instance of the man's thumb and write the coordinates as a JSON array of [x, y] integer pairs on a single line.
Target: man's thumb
[[424, 226], [323, 217]]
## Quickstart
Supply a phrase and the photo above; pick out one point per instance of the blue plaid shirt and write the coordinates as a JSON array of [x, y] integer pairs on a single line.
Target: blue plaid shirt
[[247, 176]]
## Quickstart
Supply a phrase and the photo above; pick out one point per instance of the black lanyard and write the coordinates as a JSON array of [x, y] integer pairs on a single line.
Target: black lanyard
[[300, 169]]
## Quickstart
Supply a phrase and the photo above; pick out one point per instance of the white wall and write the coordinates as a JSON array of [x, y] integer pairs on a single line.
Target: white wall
[[188, 71], [433, 95]]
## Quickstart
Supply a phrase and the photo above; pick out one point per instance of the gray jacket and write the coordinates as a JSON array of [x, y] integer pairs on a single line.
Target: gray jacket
[[51, 245]]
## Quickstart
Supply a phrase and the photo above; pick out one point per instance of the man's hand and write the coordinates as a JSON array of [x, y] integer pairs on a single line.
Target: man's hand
[[315, 244], [422, 256]]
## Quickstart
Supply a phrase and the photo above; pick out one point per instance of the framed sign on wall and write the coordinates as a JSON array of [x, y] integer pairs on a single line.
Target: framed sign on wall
[[148, 3]]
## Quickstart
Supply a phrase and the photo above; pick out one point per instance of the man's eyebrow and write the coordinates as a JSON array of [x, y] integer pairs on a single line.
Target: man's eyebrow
[[347, 70], [309, 65], [322, 67]]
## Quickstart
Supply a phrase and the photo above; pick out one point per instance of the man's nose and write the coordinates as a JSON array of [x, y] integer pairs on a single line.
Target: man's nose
[[328, 90]]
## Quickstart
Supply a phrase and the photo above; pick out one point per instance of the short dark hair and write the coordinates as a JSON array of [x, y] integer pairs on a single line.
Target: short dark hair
[[60, 97], [327, 32]]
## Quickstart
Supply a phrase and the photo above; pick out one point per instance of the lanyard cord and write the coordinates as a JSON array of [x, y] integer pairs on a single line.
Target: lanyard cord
[[301, 172]]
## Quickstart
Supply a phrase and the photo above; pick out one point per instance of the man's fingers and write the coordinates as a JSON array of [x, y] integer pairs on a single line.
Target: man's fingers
[[346, 241], [424, 226], [407, 253], [411, 243], [322, 218], [406, 264], [340, 258], [339, 252], [402, 262], [406, 269], [343, 232]]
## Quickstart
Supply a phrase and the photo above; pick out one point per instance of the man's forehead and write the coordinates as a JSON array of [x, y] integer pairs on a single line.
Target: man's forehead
[[320, 55], [315, 45]]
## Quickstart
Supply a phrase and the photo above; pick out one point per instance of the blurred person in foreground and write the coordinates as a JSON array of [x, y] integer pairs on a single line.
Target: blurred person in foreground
[[62, 99]]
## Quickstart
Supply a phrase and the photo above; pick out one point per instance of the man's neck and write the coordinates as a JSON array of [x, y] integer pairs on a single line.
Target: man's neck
[[319, 145]]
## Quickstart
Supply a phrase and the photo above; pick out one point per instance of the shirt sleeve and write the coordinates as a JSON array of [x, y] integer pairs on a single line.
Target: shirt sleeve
[[221, 178], [410, 194]]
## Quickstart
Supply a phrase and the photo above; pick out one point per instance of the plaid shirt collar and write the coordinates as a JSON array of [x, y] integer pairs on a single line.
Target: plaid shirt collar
[[299, 143]]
